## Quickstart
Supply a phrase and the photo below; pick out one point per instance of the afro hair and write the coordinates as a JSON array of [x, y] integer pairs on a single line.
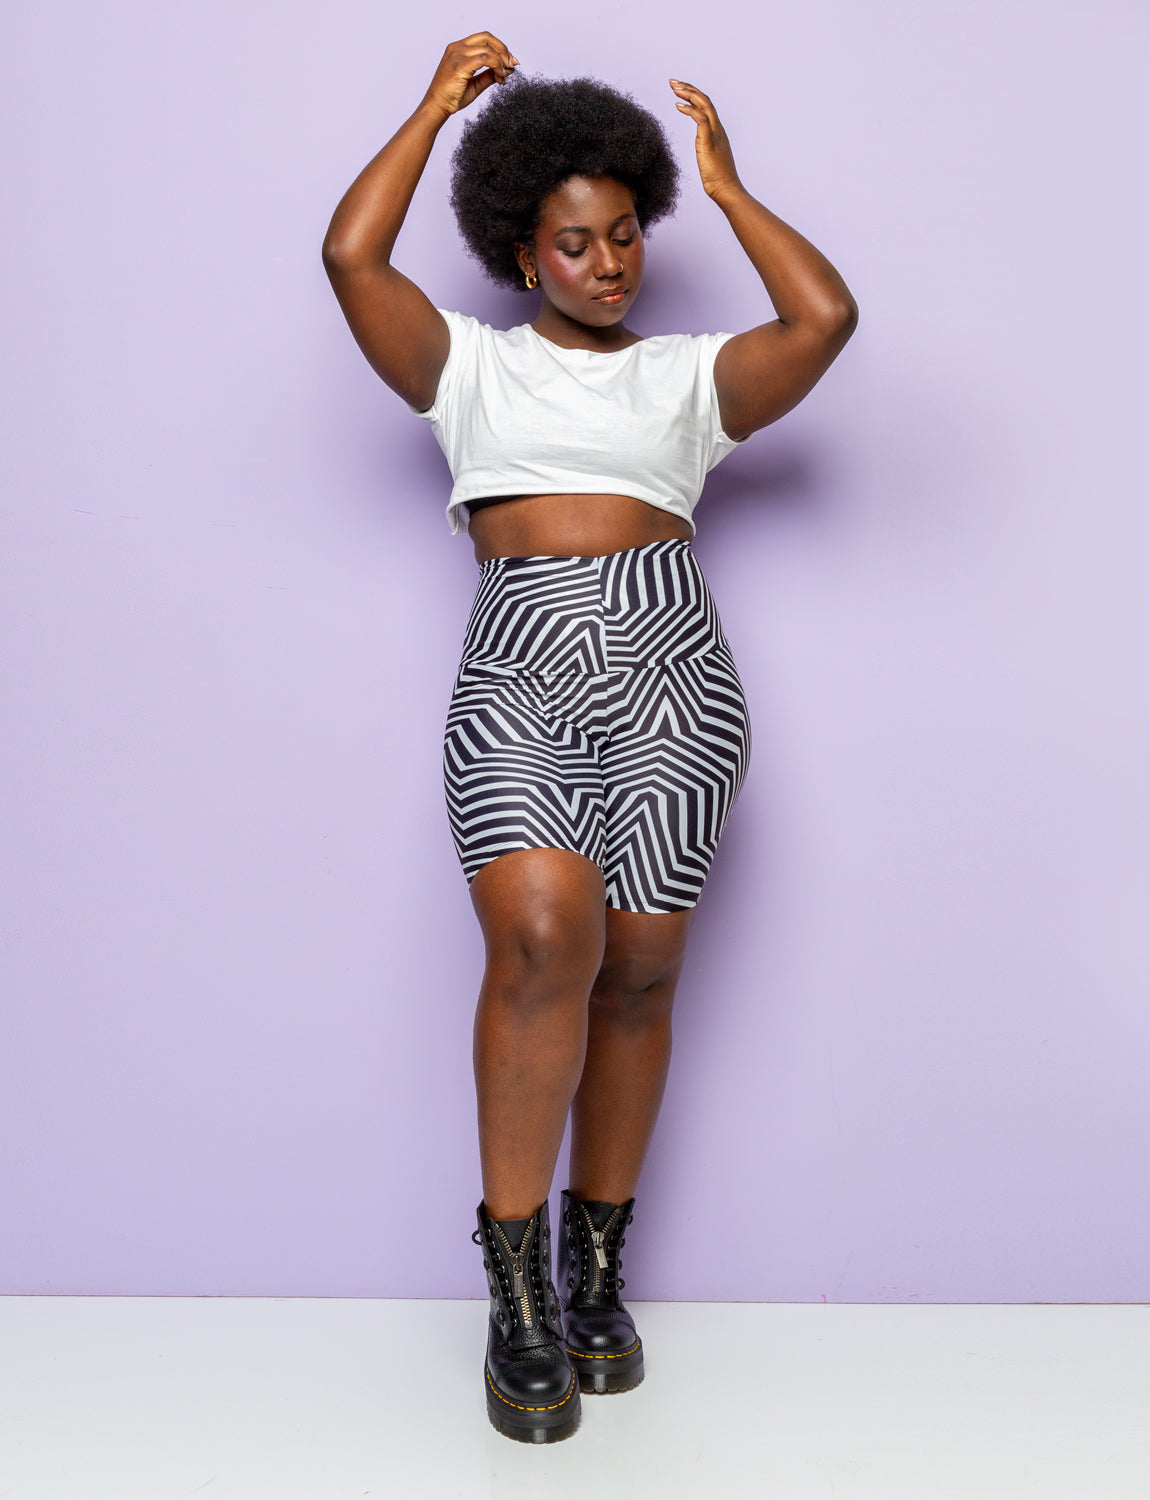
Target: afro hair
[[532, 135]]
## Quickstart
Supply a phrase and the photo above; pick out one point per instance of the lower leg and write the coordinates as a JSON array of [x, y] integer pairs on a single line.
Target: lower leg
[[542, 915], [527, 1066], [628, 1053], [613, 1116]]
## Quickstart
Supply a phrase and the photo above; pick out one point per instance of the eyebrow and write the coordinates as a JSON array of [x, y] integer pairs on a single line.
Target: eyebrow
[[583, 228]]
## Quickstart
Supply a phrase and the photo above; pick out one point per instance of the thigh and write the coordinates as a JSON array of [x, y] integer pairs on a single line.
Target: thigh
[[679, 745], [519, 773]]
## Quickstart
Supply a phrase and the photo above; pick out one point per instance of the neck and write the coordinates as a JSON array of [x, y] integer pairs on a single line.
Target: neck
[[569, 333]]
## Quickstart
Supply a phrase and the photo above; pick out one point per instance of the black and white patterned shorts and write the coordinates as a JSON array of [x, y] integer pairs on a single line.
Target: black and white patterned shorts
[[597, 708]]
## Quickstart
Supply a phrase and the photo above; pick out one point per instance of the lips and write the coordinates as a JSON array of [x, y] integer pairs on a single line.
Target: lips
[[616, 295]]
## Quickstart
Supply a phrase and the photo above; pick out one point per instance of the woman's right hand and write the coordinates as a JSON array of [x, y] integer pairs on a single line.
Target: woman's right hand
[[467, 68]]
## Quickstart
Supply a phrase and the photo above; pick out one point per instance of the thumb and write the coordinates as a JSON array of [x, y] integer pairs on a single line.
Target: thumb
[[480, 81]]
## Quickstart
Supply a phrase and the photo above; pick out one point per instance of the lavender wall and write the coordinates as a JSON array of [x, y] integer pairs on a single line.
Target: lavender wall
[[240, 959]]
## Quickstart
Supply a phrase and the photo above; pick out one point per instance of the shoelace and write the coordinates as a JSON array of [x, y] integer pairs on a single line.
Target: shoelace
[[492, 1261], [615, 1282]]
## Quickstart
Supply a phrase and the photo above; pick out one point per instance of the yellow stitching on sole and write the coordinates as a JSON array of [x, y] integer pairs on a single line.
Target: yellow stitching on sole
[[578, 1353], [516, 1405]]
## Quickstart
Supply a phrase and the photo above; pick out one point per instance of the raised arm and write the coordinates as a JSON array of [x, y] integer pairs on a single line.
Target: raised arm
[[403, 337], [761, 374]]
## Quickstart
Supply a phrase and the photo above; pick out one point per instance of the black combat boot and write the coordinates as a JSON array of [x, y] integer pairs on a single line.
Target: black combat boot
[[601, 1337], [532, 1390]]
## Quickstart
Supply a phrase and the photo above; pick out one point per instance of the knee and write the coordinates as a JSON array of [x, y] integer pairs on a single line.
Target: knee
[[544, 955], [636, 990]]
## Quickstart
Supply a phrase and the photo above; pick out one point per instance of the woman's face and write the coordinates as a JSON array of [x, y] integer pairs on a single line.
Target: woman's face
[[588, 250]]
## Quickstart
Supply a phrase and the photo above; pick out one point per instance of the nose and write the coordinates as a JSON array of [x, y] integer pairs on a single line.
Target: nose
[[608, 264]]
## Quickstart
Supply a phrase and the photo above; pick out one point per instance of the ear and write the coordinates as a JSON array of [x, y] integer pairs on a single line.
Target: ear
[[525, 255]]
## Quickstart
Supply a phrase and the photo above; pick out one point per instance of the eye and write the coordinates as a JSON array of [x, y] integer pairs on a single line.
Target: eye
[[574, 254], [628, 240]]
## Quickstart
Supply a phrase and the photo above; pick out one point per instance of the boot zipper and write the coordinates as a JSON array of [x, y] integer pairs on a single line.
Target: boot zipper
[[518, 1279], [598, 1241]]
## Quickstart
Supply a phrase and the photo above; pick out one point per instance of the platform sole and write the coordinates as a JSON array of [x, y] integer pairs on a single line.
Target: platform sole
[[608, 1374], [532, 1424]]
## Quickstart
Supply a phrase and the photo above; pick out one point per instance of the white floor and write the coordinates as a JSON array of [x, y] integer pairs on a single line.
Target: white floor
[[298, 1399]]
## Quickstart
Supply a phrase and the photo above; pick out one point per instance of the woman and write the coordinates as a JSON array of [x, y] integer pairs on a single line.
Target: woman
[[597, 735]]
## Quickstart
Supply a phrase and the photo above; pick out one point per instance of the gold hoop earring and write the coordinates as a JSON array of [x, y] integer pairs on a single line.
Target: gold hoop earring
[[532, 282]]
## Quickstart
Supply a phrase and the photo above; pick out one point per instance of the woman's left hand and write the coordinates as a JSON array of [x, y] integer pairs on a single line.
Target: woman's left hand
[[712, 148]]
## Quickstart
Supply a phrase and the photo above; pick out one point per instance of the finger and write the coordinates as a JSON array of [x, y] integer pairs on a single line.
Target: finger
[[481, 57], [693, 110], [501, 62], [690, 92], [697, 105], [482, 81], [485, 39]]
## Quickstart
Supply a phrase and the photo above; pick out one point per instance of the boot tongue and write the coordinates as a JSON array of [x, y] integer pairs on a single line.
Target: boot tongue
[[600, 1212], [515, 1229]]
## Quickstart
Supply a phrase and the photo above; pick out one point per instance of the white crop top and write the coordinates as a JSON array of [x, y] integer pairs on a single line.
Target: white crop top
[[517, 415]]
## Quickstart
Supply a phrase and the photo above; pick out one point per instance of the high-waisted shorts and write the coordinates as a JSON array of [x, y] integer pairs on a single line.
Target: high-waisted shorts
[[597, 708]]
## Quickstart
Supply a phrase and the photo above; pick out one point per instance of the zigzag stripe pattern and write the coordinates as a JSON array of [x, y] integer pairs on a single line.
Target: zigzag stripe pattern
[[597, 708]]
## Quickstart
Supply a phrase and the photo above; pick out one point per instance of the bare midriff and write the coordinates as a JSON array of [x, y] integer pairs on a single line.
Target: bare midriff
[[570, 526]]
